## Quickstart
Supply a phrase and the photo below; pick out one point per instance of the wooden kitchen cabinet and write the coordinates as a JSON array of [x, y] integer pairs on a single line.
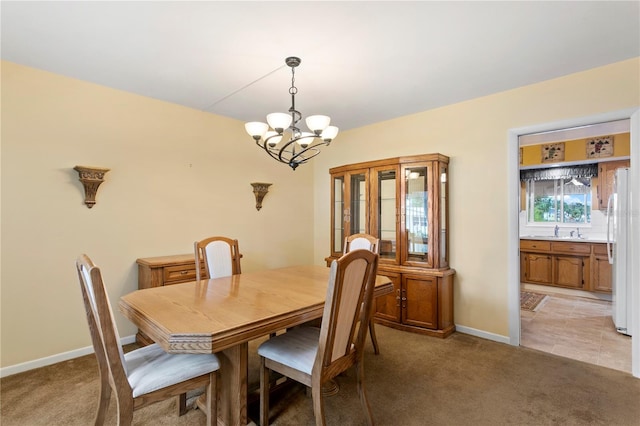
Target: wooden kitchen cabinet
[[606, 173], [576, 265], [569, 271], [601, 277], [402, 201], [536, 268]]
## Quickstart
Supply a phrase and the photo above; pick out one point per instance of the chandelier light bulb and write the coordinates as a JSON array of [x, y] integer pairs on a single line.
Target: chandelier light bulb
[[272, 138], [317, 123], [329, 133], [305, 139], [279, 121], [256, 129]]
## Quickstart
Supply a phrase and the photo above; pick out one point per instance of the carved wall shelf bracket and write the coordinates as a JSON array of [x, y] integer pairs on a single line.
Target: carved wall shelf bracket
[[260, 190], [91, 178]]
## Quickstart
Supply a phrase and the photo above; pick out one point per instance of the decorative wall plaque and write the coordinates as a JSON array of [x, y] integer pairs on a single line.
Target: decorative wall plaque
[[601, 146], [91, 178], [260, 190], [552, 152]]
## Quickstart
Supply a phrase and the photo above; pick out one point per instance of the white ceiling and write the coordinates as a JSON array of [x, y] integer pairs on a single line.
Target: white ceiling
[[362, 61]]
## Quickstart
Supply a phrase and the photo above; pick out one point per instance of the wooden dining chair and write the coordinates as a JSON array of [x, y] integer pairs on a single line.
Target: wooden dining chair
[[221, 257], [313, 356], [361, 241], [371, 243], [145, 375]]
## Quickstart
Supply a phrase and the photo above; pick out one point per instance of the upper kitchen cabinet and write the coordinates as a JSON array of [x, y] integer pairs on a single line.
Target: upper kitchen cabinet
[[402, 201], [606, 172]]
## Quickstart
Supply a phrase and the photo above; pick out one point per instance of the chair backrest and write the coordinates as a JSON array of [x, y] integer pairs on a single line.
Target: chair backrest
[[221, 257], [104, 334], [361, 241], [349, 297]]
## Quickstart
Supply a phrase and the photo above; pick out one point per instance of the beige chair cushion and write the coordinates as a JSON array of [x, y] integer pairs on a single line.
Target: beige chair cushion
[[296, 348], [150, 368], [360, 243], [218, 254]]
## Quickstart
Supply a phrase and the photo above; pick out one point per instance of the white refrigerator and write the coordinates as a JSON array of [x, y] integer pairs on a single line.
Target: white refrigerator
[[618, 249]]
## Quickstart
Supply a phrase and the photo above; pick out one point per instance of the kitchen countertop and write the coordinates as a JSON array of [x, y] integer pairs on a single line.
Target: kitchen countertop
[[568, 238]]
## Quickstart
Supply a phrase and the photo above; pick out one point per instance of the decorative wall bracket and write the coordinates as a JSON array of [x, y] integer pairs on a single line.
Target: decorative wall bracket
[[260, 190], [91, 178]]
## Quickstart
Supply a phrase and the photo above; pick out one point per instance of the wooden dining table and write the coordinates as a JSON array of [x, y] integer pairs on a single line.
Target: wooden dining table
[[222, 315]]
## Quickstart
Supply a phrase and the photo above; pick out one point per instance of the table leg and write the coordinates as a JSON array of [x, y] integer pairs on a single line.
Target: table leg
[[232, 405]]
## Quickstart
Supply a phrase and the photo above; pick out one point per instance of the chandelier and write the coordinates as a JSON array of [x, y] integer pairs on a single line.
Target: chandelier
[[298, 147]]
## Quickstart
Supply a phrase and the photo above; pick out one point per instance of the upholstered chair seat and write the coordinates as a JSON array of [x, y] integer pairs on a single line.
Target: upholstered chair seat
[[151, 368]]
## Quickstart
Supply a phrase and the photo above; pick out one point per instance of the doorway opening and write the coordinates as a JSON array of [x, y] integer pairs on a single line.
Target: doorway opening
[[568, 322]]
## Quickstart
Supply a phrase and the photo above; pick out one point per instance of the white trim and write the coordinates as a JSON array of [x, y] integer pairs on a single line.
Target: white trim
[[635, 242], [53, 359], [581, 132], [481, 333], [513, 203], [513, 231]]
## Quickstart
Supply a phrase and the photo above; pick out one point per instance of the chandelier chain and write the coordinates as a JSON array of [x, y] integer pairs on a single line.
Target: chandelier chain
[[293, 89]]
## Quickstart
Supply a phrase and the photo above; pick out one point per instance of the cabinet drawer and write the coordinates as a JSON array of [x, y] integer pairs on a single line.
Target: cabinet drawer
[[535, 245], [600, 249], [566, 247], [178, 274]]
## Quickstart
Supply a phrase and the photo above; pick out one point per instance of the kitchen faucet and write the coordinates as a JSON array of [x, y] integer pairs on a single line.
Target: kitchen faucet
[[556, 230], [579, 234]]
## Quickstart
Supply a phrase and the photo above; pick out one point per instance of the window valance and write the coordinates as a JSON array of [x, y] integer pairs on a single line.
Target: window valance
[[580, 171]]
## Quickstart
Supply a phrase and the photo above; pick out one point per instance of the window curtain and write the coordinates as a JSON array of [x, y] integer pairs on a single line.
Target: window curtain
[[578, 172]]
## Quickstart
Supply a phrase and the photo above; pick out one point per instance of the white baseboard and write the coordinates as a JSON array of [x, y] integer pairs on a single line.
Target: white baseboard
[[53, 359], [65, 356], [484, 334]]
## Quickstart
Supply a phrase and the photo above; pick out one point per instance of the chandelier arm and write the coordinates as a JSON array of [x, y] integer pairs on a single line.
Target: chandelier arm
[[269, 152], [283, 150], [306, 158], [312, 146]]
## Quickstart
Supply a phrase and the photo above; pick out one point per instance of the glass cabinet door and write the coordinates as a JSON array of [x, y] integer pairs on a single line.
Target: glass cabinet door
[[350, 207], [385, 219], [416, 215], [338, 214], [358, 203], [444, 225]]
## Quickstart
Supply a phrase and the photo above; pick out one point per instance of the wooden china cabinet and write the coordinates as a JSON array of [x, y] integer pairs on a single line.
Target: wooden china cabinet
[[402, 201]]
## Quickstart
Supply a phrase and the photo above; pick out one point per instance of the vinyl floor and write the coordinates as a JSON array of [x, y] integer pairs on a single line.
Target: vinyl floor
[[578, 328]]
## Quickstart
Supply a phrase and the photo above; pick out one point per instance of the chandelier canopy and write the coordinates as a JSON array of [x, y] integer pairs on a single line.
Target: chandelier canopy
[[298, 147]]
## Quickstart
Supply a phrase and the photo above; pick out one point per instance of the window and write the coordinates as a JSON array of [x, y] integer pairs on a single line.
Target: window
[[556, 201]]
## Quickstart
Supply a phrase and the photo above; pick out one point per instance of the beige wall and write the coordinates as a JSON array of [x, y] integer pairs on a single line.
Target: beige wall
[[474, 135], [177, 175]]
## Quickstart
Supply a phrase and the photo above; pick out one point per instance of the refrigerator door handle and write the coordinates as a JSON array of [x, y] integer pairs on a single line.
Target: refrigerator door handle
[[609, 223]]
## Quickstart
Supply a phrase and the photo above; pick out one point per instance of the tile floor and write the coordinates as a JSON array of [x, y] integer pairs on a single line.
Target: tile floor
[[577, 328]]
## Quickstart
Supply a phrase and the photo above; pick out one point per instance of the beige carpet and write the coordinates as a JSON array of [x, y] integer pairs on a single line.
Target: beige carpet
[[416, 380]]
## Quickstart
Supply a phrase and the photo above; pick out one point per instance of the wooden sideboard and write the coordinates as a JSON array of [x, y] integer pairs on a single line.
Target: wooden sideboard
[[165, 270]]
